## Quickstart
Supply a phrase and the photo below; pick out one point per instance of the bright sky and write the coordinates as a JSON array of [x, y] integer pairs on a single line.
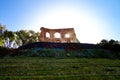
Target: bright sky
[[93, 20]]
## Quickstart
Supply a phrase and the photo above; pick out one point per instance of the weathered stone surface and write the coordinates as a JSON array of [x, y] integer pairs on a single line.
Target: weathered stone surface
[[65, 35]]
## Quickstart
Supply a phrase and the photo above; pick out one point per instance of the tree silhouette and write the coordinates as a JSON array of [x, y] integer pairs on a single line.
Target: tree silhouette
[[110, 45]]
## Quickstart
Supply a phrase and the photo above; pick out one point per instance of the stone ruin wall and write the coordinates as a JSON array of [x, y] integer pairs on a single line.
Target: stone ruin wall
[[65, 35]]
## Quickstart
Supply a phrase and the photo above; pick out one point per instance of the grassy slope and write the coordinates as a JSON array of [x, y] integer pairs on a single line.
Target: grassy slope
[[30, 68]]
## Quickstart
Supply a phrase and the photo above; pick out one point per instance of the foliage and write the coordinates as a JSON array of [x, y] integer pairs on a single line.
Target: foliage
[[61, 53], [110, 42], [58, 53], [21, 37], [1, 40], [27, 37], [9, 34], [4, 51], [2, 29], [110, 45]]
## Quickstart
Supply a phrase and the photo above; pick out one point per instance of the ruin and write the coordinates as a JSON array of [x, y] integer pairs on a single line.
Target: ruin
[[65, 35]]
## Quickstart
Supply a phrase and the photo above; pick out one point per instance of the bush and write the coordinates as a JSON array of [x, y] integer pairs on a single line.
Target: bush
[[42, 52], [52, 53], [61, 53], [4, 51]]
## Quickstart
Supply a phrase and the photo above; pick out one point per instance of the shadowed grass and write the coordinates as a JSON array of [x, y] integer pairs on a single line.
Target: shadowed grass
[[22, 68]]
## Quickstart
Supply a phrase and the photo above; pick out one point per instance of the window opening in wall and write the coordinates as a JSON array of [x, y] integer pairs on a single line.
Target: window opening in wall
[[47, 35], [67, 35], [57, 35]]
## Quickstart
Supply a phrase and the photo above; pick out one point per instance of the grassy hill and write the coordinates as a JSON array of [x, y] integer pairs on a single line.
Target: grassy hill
[[39, 68], [61, 50], [59, 61]]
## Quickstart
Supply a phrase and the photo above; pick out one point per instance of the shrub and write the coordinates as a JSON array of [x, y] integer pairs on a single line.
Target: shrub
[[4, 51]]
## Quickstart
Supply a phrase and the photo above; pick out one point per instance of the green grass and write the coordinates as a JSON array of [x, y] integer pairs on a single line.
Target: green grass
[[39, 68]]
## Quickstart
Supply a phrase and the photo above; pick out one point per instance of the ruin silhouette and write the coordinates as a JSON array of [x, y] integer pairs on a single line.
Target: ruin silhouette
[[64, 35]]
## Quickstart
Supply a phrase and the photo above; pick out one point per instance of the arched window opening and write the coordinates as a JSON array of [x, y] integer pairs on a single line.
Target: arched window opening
[[57, 35], [67, 35], [47, 35]]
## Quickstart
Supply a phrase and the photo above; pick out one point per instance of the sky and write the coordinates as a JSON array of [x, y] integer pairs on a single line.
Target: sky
[[93, 20]]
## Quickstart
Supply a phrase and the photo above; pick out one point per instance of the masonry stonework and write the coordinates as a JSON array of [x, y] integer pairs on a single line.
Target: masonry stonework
[[65, 35]]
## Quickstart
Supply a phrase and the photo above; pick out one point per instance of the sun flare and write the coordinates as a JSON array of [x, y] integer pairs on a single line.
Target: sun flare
[[85, 25]]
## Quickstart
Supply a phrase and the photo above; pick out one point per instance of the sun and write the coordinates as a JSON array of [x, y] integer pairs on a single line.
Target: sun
[[87, 27]]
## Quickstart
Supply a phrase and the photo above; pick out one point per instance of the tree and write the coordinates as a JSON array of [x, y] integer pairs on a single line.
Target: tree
[[104, 42], [27, 36], [113, 42], [2, 40], [112, 45], [2, 29], [33, 36], [10, 35], [23, 36], [19, 38]]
